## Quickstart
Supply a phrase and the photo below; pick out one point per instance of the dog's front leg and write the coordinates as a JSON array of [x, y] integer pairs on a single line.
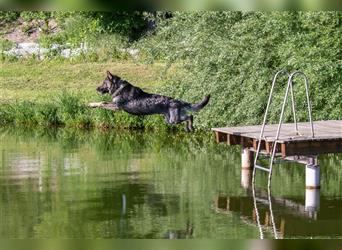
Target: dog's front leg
[[97, 104], [111, 106], [105, 105]]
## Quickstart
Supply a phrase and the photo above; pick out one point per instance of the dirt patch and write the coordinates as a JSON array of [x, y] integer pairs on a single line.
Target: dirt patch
[[30, 31]]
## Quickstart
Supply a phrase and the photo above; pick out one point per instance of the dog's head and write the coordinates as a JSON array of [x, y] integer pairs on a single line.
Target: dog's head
[[110, 84]]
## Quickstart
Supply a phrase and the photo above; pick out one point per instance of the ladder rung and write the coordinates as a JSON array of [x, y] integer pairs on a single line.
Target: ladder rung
[[262, 168]]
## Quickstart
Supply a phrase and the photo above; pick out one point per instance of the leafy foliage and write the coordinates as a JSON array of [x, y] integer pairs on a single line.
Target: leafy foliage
[[102, 35], [79, 27], [35, 15], [234, 55], [8, 16]]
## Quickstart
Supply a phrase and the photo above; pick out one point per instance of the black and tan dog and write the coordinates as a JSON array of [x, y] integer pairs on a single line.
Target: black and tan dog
[[135, 101]]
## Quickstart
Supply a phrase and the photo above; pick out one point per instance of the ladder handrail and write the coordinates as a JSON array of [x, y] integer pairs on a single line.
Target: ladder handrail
[[288, 87], [289, 83], [307, 98], [267, 107], [283, 71], [266, 111]]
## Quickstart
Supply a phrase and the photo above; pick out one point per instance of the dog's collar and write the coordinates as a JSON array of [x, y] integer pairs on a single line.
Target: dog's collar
[[118, 90]]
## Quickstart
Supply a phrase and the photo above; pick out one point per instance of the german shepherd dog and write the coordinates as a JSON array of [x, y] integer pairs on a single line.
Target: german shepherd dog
[[135, 101]]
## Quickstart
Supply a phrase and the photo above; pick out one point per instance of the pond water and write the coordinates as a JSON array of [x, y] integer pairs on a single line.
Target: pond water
[[116, 184]]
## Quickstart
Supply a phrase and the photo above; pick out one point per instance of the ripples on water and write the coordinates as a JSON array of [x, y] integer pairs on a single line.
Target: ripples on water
[[67, 184]]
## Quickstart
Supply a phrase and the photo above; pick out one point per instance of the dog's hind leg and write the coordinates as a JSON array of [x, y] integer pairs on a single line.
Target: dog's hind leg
[[167, 118], [174, 116], [189, 121], [188, 126]]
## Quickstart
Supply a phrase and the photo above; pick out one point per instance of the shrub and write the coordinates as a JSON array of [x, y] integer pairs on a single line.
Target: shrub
[[234, 55], [23, 113], [6, 114], [8, 16], [5, 45], [70, 106], [48, 115]]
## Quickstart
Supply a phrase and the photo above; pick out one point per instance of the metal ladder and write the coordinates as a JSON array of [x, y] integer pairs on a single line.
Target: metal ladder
[[261, 136]]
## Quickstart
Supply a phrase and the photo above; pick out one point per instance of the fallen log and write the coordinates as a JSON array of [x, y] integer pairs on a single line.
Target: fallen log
[[104, 105]]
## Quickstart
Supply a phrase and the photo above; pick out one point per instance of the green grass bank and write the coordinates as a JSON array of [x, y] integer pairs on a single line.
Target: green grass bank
[[55, 93]]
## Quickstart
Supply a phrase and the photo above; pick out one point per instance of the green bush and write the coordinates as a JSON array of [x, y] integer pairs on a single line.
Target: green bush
[[108, 47], [48, 115], [234, 55], [70, 106], [104, 34], [24, 113], [6, 114], [35, 15], [8, 16], [5, 45]]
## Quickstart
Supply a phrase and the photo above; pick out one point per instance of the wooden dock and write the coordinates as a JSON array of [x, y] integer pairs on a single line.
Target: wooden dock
[[327, 139]]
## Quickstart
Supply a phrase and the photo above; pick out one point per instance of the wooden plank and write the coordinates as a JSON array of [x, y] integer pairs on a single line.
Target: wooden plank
[[283, 150], [255, 144], [328, 137], [246, 142], [322, 129], [270, 145], [311, 147], [220, 137], [233, 139]]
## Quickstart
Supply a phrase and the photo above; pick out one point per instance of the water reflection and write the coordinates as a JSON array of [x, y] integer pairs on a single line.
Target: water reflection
[[246, 178], [67, 184], [281, 217], [186, 233], [312, 201]]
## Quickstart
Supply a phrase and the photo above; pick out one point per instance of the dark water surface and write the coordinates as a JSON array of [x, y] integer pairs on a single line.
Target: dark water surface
[[67, 184]]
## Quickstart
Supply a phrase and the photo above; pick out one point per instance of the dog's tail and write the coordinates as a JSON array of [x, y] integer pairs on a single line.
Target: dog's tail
[[200, 105]]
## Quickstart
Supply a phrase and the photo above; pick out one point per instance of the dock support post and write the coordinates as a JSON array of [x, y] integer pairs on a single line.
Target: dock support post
[[247, 160], [312, 186], [312, 176]]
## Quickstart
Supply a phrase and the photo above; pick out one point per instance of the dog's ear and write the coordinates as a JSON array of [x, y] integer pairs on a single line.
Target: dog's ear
[[115, 78], [109, 75]]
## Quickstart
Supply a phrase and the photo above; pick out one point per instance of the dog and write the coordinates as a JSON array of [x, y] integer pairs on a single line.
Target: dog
[[135, 101]]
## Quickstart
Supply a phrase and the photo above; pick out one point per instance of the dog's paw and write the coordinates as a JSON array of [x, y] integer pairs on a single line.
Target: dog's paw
[[93, 105], [97, 104]]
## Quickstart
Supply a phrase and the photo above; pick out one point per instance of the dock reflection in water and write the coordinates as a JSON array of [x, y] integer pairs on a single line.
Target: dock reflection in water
[[285, 217]]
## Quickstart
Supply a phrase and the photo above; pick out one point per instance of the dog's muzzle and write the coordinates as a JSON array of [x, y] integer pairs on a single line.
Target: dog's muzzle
[[101, 90]]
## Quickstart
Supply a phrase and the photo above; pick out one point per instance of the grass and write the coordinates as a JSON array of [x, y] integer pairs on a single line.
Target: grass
[[55, 93], [40, 81]]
